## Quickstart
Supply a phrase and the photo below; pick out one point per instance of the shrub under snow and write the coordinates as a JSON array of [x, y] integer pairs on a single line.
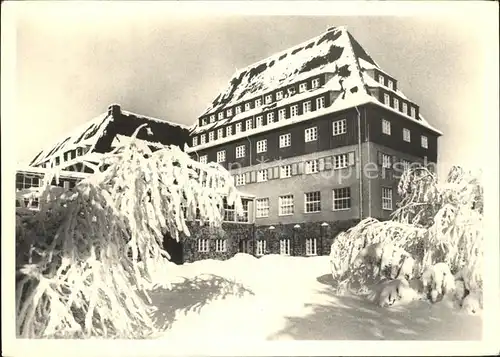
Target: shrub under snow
[[83, 260], [435, 235]]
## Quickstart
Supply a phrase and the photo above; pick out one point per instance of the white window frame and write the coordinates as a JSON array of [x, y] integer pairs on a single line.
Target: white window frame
[[237, 110], [312, 199], [311, 134], [258, 121], [262, 207], [386, 127], [306, 107], [291, 91], [340, 161], [221, 156], [203, 121], [320, 103], [203, 159], [339, 127], [406, 135], [279, 95], [239, 180], [390, 83], [195, 140], [387, 99], [387, 198], [311, 166], [302, 87], [262, 175], [211, 136], [238, 128], [261, 146], [221, 245], [396, 103], [220, 133], [294, 110], [413, 112], [285, 140], [386, 161], [381, 79], [404, 108], [406, 164], [424, 141], [261, 247], [311, 246], [229, 130], [202, 139], [285, 246], [212, 118], [247, 106], [315, 83], [281, 114], [268, 99], [240, 151], [229, 112], [203, 245], [270, 118], [286, 171], [248, 124], [286, 205], [220, 115], [258, 102], [341, 196]]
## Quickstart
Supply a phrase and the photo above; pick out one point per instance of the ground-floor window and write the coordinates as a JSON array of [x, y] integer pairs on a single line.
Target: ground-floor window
[[261, 247], [221, 245], [203, 245], [311, 246], [285, 246]]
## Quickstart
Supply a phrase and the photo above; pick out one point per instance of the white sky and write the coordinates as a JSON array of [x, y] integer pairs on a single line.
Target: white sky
[[169, 61]]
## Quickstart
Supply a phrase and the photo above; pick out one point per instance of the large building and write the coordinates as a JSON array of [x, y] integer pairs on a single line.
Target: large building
[[319, 134]]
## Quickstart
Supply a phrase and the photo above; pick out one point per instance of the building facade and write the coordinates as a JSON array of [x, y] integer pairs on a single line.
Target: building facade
[[320, 135]]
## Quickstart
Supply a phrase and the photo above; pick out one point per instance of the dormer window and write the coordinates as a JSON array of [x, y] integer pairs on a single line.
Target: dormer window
[[387, 99], [294, 110], [396, 104], [220, 133], [211, 136], [247, 106], [390, 84], [268, 99], [220, 115], [306, 107], [281, 114], [413, 112], [195, 141], [315, 83], [238, 109], [291, 91], [279, 95], [258, 121], [270, 118], [302, 87], [229, 130], [212, 118], [229, 112], [203, 121], [258, 102], [238, 128], [202, 139], [405, 108], [381, 79], [248, 125]]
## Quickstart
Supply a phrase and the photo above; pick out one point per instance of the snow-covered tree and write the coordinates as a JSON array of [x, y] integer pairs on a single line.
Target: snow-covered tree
[[83, 259], [434, 223]]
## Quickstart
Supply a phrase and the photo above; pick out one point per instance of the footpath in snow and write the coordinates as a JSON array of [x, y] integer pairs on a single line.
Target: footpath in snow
[[290, 298]]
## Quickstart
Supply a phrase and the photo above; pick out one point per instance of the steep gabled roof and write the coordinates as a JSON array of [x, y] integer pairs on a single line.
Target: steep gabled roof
[[335, 52]]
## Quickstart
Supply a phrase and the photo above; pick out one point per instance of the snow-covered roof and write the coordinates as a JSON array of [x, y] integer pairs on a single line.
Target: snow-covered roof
[[334, 51], [24, 169]]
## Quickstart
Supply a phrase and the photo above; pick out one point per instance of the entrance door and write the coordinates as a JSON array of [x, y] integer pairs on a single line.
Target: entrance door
[[245, 246]]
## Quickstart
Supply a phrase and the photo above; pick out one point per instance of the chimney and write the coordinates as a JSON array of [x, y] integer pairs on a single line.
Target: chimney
[[114, 110]]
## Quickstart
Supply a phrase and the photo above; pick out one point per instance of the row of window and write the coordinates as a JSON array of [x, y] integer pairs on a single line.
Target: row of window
[[285, 171], [390, 83], [386, 129], [259, 121], [393, 102], [312, 202], [69, 155], [229, 213], [24, 181], [256, 103], [311, 245]]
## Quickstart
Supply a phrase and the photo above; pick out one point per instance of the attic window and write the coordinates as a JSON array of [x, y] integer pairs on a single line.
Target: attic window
[[248, 124], [390, 84], [203, 121], [229, 112], [268, 99], [238, 127], [211, 136], [405, 108], [212, 118], [220, 115], [381, 79], [220, 133], [229, 130], [387, 99], [247, 106], [279, 95], [302, 87], [258, 102], [79, 152], [315, 83], [396, 104], [238, 109], [413, 112], [202, 139], [195, 141], [291, 90]]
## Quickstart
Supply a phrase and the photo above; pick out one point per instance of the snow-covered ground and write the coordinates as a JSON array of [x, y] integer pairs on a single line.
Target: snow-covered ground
[[290, 298]]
